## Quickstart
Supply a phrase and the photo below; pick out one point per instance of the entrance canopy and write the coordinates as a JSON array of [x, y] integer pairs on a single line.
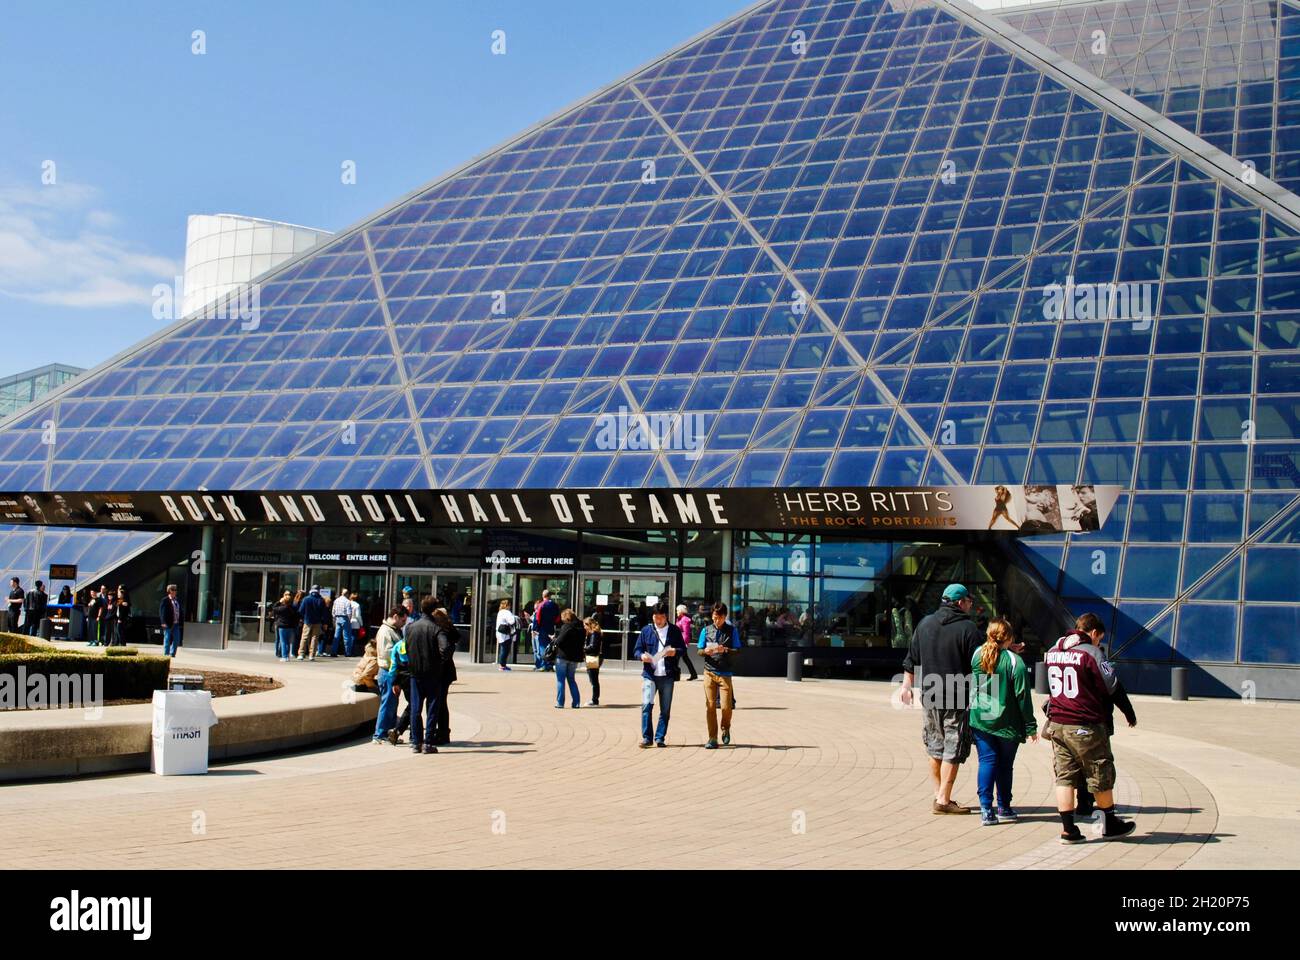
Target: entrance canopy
[[1012, 509]]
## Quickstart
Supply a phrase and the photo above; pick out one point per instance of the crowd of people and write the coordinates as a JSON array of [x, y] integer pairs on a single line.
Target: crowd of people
[[306, 622], [108, 613], [975, 689], [412, 657], [563, 642]]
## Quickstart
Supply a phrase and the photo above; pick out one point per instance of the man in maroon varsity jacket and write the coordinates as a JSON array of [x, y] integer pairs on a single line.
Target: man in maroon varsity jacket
[[1081, 684]]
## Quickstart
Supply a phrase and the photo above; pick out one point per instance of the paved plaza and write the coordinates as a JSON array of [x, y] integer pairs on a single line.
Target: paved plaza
[[823, 774]]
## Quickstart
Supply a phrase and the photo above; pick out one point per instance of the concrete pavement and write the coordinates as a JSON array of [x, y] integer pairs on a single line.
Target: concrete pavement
[[823, 774]]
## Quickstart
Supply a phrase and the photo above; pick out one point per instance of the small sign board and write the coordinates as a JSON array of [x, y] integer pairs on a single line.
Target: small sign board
[[63, 571]]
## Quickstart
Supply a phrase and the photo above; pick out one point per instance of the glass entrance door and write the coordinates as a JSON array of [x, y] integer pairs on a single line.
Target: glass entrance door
[[420, 582], [250, 595], [454, 588], [366, 587], [622, 605]]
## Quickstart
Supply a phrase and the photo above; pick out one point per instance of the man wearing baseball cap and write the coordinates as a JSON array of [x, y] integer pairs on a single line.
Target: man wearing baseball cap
[[942, 647]]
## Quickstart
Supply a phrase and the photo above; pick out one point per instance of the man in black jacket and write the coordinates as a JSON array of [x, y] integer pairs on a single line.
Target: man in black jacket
[[34, 604], [424, 660], [447, 637], [942, 647]]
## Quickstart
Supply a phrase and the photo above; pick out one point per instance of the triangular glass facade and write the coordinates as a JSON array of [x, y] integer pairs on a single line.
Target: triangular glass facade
[[1226, 71], [828, 229]]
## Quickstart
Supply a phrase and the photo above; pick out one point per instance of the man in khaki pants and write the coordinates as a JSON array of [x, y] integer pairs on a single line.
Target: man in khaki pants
[[315, 614], [719, 643]]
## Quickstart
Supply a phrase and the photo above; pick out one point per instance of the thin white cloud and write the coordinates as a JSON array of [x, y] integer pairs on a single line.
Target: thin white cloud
[[58, 247]]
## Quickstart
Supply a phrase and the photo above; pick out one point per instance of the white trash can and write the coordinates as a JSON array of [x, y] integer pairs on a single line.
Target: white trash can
[[180, 732]]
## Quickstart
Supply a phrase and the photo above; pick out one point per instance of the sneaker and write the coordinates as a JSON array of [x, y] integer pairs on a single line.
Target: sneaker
[[949, 807], [377, 740], [417, 748], [1122, 829], [660, 743], [1072, 838], [644, 744], [1007, 815], [711, 745], [591, 703], [393, 737], [430, 748], [309, 659], [987, 817], [300, 656], [559, 706], [506, 669], [726, 738], [575, 706]]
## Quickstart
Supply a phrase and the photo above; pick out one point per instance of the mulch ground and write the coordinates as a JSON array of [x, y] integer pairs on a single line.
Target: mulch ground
[[221, 684]]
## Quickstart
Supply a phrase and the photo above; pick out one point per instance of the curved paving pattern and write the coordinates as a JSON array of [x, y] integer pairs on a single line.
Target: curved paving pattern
[[531, 786]]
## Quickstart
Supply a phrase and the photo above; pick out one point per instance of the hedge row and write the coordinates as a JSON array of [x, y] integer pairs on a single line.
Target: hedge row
[[125, 677], [13, 643]]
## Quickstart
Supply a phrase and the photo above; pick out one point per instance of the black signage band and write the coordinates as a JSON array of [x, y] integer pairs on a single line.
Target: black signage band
[[1020, 509]]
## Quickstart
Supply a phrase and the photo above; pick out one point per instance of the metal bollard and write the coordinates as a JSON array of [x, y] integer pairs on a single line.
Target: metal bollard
[[1178, 683], [794, 667], [1040, 678]]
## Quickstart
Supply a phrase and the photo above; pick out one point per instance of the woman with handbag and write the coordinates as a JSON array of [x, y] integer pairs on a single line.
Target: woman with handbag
[[594, 649], [569, 641], [506, 626]]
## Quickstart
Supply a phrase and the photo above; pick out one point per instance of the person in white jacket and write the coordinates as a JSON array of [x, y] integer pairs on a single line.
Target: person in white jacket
[[507, 629]]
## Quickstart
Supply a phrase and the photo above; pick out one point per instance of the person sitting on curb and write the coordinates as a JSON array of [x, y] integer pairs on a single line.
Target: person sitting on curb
[[366, 671]]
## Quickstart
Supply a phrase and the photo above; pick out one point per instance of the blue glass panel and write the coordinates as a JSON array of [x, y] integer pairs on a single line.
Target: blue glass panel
[[1150, 572], [1271, 574], [1270, 634], [1207, 632]]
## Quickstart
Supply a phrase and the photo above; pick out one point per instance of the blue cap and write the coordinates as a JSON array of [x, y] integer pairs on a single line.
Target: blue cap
[[955, 592]]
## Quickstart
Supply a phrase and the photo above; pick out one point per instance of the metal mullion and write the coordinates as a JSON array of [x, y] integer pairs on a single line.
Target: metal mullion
[[836, 333], [1038, 250]]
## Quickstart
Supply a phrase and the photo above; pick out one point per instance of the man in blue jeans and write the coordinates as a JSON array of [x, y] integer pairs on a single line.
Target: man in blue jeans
[[343, 624], [169, 612], [543, 628], [388, 637], [659, 647]]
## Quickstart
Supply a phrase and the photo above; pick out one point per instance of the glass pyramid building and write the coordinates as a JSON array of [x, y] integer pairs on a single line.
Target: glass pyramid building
[[832, 229]]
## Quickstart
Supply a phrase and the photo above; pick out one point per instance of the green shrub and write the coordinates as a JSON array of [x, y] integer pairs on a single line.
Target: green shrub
[[120, 652], [14, 643], [125, 677]]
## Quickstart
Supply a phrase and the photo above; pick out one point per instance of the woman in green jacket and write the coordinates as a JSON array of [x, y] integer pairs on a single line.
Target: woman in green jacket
[[1001, 718]]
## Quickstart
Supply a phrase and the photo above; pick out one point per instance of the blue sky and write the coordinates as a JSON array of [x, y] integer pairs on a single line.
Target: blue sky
[[141, 132]]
